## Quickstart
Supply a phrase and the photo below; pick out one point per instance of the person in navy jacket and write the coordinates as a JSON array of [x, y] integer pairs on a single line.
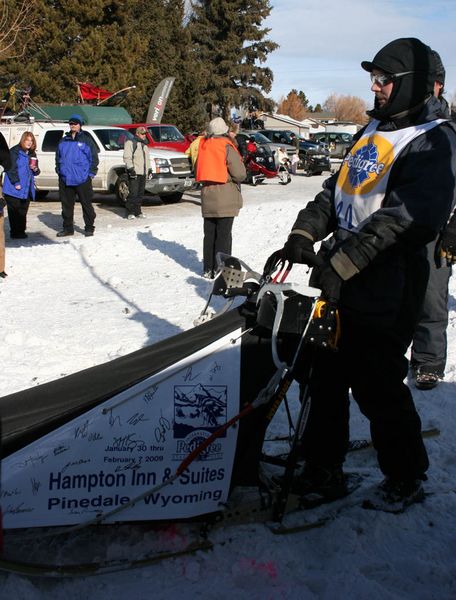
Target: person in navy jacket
[[76, 163], [19, 183]]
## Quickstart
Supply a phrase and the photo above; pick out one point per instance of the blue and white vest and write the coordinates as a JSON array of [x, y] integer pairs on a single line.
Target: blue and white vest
[[365, 171]]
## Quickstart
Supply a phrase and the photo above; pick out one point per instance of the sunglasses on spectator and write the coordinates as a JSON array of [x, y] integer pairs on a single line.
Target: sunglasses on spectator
[[384, 79], [73, 123]]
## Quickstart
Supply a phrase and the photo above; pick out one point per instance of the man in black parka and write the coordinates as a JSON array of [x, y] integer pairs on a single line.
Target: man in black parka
[[392, 196]]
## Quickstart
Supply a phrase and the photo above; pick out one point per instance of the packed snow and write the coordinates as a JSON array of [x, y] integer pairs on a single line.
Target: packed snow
[[71, 303]]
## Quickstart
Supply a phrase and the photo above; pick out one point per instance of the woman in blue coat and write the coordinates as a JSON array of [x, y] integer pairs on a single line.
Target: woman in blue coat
[[19, 183]]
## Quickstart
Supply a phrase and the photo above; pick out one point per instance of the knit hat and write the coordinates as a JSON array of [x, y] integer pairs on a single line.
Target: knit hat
[[76, 119], [411, 90], [217, 127]]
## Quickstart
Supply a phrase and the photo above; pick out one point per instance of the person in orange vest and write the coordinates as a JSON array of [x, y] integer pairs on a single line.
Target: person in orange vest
[[220, 170]]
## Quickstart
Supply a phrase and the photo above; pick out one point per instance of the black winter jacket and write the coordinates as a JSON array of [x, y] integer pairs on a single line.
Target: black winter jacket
[[420, 194]]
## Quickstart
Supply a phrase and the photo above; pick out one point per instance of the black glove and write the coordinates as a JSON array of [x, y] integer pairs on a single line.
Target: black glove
[[131, 173], [330, 283], [448, 244], [274, 261], [299, 249]]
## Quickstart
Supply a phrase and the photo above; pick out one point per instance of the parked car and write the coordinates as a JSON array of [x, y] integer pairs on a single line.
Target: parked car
[[313, 157], [338, 143], [169, 177], [262, 140], [160, 135], [279, 136]]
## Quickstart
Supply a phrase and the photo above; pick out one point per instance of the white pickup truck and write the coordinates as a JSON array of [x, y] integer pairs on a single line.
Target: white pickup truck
[[169, 177]]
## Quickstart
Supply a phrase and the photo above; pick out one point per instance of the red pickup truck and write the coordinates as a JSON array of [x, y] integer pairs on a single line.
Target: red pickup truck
[[160, 135]]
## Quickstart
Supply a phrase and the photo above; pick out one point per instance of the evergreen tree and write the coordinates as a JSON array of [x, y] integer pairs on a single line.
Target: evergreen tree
[[80, 40], [231, 44], [305, 101], [170, 52]]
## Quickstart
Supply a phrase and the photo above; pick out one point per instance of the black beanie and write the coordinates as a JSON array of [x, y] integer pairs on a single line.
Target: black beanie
[[409, 91]]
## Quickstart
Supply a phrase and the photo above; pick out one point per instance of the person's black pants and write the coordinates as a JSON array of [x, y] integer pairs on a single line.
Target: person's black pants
[[372, 363], [379, 310], [217, 238], [136, 189], [429, 346], [68, 198], [17, 214]]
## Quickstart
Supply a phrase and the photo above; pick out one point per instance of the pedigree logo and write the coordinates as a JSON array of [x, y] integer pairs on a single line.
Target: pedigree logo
[[365, 165]]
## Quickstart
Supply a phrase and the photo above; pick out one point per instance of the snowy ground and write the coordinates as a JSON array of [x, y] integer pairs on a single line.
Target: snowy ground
[[73, 303]]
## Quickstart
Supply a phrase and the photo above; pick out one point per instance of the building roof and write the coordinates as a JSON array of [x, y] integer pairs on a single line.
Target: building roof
[[286, 119], [324, 115]]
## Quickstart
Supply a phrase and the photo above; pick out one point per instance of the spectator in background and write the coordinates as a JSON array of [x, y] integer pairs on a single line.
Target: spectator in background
[[3, 273], [19, 183], [232, 132], [220, 170], [251, 145], [5, 163], [137, 161], [192, 150], [294, 141], [429, 345], [282, 158], [76, 163], [294, 163]]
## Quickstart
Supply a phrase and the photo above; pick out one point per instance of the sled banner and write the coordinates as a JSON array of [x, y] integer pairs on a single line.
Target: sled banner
[[159, 99], [131, 443]]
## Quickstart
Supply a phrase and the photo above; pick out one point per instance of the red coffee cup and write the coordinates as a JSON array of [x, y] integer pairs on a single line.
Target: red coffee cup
[[33, 162]]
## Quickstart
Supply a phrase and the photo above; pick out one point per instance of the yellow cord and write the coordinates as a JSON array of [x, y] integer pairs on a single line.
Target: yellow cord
[[320, 309]]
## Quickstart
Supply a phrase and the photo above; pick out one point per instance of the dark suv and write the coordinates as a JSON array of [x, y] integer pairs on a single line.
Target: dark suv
[[337, 143]]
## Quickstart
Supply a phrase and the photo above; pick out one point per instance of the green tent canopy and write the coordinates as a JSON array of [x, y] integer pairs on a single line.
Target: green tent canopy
[[92, 115]]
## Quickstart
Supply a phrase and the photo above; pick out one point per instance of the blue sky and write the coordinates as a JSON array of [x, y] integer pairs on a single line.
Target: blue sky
[[322, 42]]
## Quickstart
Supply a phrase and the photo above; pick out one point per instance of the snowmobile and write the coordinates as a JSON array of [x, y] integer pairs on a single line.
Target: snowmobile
[[261, 164], [166, 435]]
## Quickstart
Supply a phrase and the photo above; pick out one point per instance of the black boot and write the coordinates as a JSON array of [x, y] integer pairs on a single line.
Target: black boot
[[395, 495], [317, 484]]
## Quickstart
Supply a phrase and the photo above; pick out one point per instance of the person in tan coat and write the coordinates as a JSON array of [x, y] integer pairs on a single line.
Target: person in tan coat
[[220, 170], [137, 161]]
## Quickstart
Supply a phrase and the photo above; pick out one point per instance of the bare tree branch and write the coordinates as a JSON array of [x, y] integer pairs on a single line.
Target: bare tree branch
[[15, 20]]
